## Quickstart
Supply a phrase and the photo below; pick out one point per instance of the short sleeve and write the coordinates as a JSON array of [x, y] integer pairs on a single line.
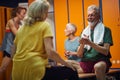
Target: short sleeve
[[108, 36], [47, 31]]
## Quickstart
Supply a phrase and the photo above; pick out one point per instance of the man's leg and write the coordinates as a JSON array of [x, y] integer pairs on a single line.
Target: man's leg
[[100, 70]]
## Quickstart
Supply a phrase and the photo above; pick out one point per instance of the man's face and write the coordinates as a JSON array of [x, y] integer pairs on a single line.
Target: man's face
[[92, 16], [68, 30]]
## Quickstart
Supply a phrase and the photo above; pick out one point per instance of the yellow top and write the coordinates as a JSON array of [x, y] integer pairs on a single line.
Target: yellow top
[[30, 59]]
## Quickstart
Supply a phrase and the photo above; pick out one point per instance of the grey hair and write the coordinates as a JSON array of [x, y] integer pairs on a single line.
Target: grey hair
[[94, 7], [37, 11], [72, 27]]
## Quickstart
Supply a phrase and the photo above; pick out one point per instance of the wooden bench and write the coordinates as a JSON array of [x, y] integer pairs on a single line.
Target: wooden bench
[[92, 75]]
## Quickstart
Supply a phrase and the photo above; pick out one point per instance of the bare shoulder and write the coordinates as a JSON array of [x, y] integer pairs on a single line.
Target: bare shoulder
[[10, 21]]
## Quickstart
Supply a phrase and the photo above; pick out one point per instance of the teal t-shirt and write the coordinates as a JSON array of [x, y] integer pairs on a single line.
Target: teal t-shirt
[[92, 54], [72, 46]]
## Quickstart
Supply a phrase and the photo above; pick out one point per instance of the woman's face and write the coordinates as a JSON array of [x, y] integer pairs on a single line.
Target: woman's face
[[22, 14]]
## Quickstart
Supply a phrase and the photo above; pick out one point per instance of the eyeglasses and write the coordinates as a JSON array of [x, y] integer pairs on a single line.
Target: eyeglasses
[[92, 15]]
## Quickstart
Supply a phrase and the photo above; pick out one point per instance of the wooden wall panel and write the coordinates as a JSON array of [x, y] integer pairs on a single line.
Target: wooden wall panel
[[2, 24], [8, 12]]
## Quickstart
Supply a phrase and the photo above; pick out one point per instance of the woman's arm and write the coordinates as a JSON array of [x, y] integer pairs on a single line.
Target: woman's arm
[[12, 27], [52, 54], [13, 50]]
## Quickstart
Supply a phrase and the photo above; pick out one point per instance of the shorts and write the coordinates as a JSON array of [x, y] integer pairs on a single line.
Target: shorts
[[6, 54], [88, 67]]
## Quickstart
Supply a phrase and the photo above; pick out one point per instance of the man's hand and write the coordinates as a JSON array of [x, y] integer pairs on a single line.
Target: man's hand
[[85, 40]]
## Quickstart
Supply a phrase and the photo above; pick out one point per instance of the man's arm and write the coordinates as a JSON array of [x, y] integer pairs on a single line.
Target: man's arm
[[102, 49]]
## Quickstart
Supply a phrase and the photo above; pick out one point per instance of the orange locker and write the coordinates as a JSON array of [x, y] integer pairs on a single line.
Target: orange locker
[[76, 14], [61, 19], [111, 17]]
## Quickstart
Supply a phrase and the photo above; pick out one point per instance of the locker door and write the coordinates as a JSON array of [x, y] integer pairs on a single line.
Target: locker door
[[61, 19], [111, 17], [76, 14]]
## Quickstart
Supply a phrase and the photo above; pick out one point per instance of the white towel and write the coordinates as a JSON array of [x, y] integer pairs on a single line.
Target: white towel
[[98, 34]]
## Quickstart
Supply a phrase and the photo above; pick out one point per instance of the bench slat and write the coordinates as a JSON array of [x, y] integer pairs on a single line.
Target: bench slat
[[87, 75]]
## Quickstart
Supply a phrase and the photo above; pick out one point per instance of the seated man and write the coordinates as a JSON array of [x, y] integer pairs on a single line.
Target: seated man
[[71, 43], [95, 43]]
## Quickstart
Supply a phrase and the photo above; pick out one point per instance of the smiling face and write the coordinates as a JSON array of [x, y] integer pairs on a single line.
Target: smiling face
[[22, 14], [91, 15], [18, 12]]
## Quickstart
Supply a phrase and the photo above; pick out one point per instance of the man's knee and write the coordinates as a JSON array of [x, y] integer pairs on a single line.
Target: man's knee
[[100, 66]]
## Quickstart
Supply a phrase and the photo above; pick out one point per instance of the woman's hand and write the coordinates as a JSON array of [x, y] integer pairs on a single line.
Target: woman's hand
[[70, 65]]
